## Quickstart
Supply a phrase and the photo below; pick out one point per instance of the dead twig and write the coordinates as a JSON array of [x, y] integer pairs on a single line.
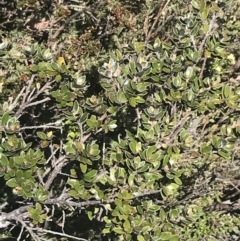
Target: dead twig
[[160, 11], [28, 97], [49, 125], [177, 129], [62, 161], [33, 235], [87, 10], [59, 234]]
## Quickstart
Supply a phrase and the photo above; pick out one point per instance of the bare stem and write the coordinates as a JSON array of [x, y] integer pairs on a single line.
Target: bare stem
[[161, 9], [50, 125], [60, 234]]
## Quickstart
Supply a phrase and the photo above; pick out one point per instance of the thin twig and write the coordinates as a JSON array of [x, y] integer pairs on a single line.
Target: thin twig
[[62, 161], [39, 177], [63, 222], [29, 102], [20, 234], [31, 94], [41, 127], [18, 97], [75, 15], [212, 27], [37, 102], [6, 217], [57, 233], [160, 11], [65, 201], [28, 89], [34, 236], [194, 43], [203, 67], [177, 129], [138, 118], [3, 205], [52, 154]]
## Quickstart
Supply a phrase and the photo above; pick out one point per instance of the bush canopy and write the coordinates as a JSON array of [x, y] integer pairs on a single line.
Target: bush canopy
[[119, 120]]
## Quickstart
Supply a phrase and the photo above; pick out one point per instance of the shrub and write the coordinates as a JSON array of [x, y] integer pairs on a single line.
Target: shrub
[[120, 122]]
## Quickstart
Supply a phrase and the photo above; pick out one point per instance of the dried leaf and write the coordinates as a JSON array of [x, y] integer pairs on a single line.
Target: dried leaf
[[41, 25]]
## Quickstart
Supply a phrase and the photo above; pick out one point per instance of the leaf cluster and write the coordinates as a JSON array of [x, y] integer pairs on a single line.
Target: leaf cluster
[[129, 114]]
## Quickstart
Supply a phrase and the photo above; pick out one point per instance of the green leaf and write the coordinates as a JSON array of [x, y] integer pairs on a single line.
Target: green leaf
[[143, 168], [12, 182], [140, 238], [42, 135], [31, 211], [90, 176], [90, 215], [83, 167], [70, 150], [132, 102], [2, 170], [226, 91], [106, 230], [173, 214], [140, 209], [34, 68], [11, 173], [4, 159], [131, 179], [119, 157], [92, 122], [202, 5], [132, 67], [190, 95], [166, 70], [46, 55], [135, 146], [147, 228], [19, 174], [215, 6], [139, 99], [127, 226], [178, 180], [150, 151], [118, 230], [189, 72], [170, 189], [118, 55], [5, 118], [138, 46], [58, 77], [177, 81], [205, 148], [205, 13], [27, 174], [125, 195], [165, 235], [141, 87], [174, 238], [153, 208], [44, 144], [54, 66], [93, 150], [121, 98], [162, 215], [81, 80], [224, 154], [195, 4], [74, 193]]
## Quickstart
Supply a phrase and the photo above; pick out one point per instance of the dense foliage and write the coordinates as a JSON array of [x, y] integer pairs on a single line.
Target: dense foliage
[[119, 120]]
